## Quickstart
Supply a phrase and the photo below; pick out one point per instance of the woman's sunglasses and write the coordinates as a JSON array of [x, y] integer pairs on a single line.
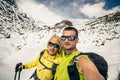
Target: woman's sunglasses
[[70, 38], [53, 44]]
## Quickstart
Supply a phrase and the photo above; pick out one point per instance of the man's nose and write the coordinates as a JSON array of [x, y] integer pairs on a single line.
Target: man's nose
[[66, 40]]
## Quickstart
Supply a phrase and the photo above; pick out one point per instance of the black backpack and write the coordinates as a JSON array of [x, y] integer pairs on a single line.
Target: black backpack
[[98, 60]]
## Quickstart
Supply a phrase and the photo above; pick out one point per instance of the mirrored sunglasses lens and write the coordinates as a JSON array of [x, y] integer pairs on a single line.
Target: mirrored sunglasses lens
[[71, 38], [50, 44], [63, 38], [54, 45]]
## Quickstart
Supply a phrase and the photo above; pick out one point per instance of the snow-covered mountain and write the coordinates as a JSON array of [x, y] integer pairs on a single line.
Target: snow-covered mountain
[[22, 38]]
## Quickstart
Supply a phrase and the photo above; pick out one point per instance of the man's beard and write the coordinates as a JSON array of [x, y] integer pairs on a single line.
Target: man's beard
[[69, 48]]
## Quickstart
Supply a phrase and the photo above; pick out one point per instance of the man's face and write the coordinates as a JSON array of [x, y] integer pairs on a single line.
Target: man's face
[[69, 39]]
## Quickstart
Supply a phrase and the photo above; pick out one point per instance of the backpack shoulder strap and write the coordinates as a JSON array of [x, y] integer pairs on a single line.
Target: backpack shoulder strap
[[41, 53], [72, 69], [53, 68], [75, 59], [34, 73]]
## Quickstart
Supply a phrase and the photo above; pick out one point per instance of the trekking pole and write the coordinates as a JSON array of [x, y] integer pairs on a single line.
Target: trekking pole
[[20, 69], [19, 74], [15, 76], [17, 69]]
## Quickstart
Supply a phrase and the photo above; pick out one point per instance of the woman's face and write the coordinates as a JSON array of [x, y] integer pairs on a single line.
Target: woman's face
[[53, 46]]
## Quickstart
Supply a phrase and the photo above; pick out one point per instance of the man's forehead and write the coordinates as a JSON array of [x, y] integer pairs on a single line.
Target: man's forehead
[[68, 31]]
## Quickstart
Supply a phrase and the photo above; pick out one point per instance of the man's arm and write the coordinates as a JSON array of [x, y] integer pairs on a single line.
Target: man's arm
[[89, 69]]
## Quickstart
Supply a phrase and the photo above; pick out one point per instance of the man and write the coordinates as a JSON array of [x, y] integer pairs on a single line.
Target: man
[[86, 68]]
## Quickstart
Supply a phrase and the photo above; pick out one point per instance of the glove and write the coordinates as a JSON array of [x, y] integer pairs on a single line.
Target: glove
[[18, 68]]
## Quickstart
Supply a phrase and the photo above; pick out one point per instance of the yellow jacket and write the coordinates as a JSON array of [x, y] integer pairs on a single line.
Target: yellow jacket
[[46, 59]]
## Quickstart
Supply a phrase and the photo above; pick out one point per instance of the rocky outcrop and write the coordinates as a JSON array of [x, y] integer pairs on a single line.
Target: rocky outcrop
[[12, 19], [97, 31]]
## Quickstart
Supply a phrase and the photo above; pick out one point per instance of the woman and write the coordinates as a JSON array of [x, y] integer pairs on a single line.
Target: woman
[[47, 60]]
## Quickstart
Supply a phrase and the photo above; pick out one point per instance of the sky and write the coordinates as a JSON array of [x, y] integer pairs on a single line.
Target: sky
[[50, 11]]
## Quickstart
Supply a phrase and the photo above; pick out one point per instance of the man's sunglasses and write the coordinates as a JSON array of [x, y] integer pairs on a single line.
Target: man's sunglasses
[[53, 44], [70, 38]]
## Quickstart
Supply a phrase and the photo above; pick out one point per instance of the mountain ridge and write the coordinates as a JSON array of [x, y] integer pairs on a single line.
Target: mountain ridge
[[13, 20]]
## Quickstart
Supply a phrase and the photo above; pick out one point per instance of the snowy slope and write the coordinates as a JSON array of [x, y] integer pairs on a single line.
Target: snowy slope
[[22, 39]]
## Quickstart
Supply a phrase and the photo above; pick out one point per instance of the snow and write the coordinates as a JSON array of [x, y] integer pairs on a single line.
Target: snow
[[26, 47]]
